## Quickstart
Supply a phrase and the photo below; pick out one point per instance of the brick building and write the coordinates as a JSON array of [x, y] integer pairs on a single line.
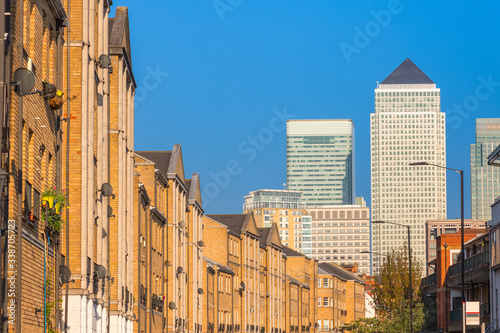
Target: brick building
[[30, 153]]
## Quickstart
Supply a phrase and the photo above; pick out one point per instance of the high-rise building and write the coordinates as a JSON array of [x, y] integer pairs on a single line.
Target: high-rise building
[[320, 161], [285, 208], [407, 126], [484, 178], [341, 234]]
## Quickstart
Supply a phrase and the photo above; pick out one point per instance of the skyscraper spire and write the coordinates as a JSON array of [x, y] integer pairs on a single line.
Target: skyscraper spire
[[407, 73]]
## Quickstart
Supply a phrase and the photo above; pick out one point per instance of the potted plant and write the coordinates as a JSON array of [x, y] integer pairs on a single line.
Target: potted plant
[[53, 202]]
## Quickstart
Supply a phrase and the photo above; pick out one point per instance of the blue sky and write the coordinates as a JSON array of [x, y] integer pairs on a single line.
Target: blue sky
[[219, 76]]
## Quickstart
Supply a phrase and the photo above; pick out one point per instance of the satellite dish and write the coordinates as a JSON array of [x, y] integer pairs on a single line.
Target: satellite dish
[[64, 274], [201, 243], [100, 271], [107, 190], [23, 81], [110, 211], [167, 263], [180, 270], [182, 224], [104, 61], [242, 286], [200, 291], [172, 306]]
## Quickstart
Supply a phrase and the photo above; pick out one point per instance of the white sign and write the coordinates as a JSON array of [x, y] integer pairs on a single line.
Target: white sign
[[472, 315]]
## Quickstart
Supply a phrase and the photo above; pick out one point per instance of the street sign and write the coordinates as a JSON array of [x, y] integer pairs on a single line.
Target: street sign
[[472, 316]]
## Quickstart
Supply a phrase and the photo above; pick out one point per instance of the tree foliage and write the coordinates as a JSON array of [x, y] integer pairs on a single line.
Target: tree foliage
[[391, 297]]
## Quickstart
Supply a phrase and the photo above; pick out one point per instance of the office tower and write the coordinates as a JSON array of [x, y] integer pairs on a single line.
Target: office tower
[[407, 126], [320, 161], [283, 207], [484, 178], [341, 234]]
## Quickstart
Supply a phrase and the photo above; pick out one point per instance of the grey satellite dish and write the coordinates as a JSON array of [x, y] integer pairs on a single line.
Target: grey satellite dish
[[110, 211], [100, 271], [171, 306], [200, 291], [64, 274], [104, 61], [107, 190], [180, 270], [23, 81], [182, 224], [201, 243]]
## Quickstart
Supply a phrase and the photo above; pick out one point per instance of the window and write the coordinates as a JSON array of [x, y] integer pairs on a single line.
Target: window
[[27, 200], [319, 326], [319, 281], [319, 300], [325, 325], [325, 301], [325, 282]]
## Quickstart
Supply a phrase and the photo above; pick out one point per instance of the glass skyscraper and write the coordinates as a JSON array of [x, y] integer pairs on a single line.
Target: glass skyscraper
[[485, 179], [407, 126], [320, 161]]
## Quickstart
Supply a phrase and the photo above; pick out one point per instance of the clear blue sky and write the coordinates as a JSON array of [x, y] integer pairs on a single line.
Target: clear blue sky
[[210, 74]]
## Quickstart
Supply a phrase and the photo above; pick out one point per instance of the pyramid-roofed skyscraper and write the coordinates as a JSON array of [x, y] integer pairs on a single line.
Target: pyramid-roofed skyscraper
[[407, 126]]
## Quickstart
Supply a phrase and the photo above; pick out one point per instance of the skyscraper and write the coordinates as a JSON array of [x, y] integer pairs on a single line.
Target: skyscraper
[[320, 161], [484, 178], [407, 126]]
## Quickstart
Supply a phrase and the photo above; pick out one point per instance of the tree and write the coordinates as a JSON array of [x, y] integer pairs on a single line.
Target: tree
[[391, 297]]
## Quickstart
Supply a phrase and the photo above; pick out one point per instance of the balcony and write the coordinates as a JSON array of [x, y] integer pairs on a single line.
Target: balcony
[[428, 284], [476, 269]]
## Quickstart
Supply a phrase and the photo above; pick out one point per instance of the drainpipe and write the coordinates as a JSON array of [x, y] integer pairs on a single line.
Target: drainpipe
[[20, 184], [68, 127]]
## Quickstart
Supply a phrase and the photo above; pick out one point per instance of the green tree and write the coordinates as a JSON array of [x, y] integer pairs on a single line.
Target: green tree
[[391, 297]]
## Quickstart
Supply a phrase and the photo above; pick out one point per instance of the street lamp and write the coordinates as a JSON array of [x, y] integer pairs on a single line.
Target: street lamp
[[462, 251], [378, 254], [409, 268]]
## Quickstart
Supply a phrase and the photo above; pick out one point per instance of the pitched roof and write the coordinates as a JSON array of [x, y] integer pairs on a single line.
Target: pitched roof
[[407, 73], [264, 234], [292, 253], [333, 269], [169, 163], [194, 191], [237, 223], [161, 159]]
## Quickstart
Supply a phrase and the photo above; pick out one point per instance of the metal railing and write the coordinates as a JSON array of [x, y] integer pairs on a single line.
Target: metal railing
[[428, 280], [455, 315], [475, 261]]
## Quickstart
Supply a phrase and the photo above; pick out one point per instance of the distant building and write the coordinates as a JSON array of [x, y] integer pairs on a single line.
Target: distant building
[[407, 126], [484, 178], [287, 209], [320, 161], [341, 234], [435, 228], [494, 160]]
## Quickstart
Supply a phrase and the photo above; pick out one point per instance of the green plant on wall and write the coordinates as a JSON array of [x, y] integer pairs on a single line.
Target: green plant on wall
[[53, 202], [50, 306]]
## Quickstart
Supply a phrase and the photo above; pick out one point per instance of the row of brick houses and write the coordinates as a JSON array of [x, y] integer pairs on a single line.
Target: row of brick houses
[[98, 237]]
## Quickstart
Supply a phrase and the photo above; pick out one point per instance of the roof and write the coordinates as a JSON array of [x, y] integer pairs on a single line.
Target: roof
[[237, 223], [292, 253], [330, 268], [407, 73], [161, 159], [194, 191], [169, 163], [264, 233]]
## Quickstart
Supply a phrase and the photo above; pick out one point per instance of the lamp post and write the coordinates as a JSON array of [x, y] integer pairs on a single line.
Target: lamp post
[[409, 268], [446, 285], [462, 251]]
